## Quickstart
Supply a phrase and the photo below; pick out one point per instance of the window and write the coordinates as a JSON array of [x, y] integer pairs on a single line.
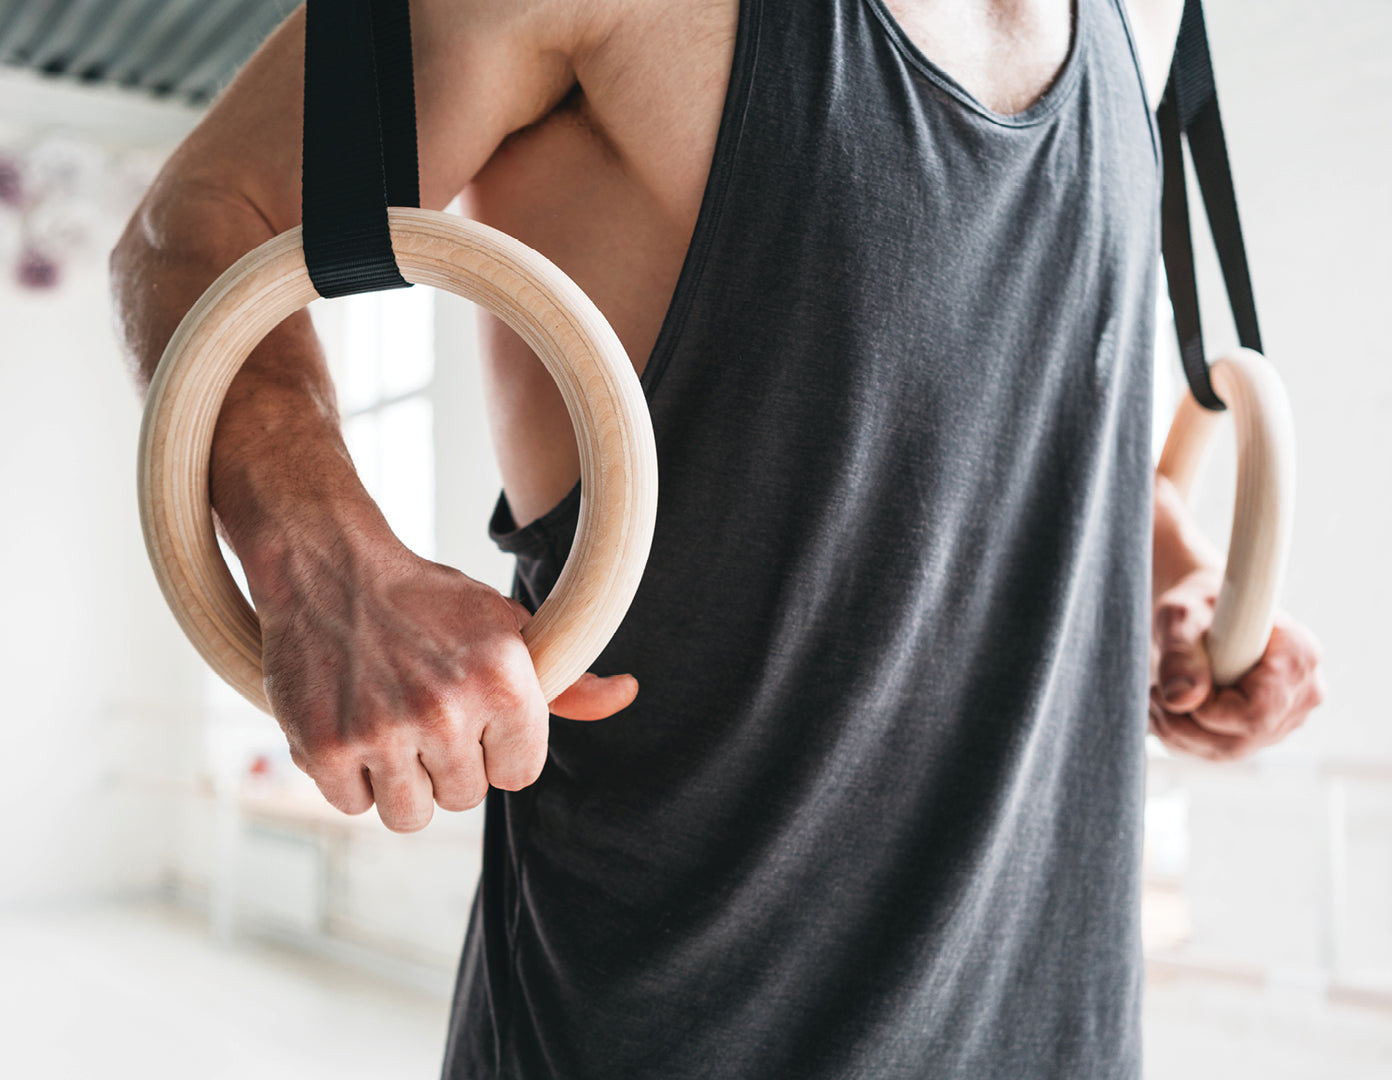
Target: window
[[385, 368], [414, 428]]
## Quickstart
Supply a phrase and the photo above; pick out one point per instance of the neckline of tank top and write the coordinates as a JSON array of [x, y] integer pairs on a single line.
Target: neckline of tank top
[[1040, 110]]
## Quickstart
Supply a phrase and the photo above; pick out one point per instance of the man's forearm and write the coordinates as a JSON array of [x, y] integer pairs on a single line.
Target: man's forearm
[[277, 452], [1180, 547]]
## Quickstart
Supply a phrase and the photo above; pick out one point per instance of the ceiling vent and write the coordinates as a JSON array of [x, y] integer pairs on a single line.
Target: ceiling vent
[[186, 50]]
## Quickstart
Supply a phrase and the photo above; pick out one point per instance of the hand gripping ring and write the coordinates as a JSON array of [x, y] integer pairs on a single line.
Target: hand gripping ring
[[618, 457], [1264, 509]]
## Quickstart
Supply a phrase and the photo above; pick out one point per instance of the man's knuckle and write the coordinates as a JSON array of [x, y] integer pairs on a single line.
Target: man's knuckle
[[1178, 628], [299, 759], [478, 789], [343, 790], [319, 765], [335, 757], [402, 812], [411, 822], [507, 696], [504, 610], [1270, 704], [1319, 689], [441, 726], [518, 766], [1284, 666], [1169, 616], [347, 802], [464, 794], [1266, 724], [502, 693], [434, 698]]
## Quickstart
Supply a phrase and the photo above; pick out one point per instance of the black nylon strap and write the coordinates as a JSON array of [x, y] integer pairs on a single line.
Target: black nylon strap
[[359, 141], [1190, 109]]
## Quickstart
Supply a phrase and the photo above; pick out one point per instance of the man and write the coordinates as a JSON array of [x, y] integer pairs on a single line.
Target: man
[[887, 272]]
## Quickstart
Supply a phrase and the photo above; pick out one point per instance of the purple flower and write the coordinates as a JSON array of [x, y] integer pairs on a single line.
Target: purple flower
[[37, 270], [11, 182]]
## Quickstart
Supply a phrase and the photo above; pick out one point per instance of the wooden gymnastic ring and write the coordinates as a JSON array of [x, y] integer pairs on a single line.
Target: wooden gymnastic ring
[[618, 458], [1264, 507]]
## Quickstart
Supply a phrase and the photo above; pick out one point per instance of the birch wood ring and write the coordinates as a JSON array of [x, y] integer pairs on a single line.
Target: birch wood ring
[[618, 460], [1264, 508]]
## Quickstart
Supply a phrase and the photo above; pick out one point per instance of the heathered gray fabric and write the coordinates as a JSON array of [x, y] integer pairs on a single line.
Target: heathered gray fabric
[[876, 811]]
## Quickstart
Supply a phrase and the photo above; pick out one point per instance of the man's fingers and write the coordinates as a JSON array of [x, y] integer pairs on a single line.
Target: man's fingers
[[404, 794], [593, 698], [514, 741], [1183, 676], [352, 793], [519, 612], [344, 786], [1269, 702], [1258, 705], [1183, 734], [457, 775], [1275, 696], [1184, 679]]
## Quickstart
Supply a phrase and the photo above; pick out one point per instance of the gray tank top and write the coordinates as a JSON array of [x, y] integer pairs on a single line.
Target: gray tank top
[[877, 809]]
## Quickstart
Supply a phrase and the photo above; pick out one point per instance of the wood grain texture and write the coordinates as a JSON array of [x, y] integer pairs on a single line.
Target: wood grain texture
[[618, 457], [1265, 503]]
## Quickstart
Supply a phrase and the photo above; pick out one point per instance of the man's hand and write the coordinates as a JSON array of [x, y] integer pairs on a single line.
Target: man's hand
[[1190, 715], [405, 683]]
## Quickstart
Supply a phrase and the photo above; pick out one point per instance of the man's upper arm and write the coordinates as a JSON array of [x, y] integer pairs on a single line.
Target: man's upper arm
[[483, 69]]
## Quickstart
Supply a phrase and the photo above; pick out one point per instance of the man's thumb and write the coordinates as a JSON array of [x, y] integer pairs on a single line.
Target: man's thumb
[[590, 697], [594, 698]]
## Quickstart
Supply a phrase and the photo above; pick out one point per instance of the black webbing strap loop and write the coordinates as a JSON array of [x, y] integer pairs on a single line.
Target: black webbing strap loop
[[359, 141], [1190, 109]]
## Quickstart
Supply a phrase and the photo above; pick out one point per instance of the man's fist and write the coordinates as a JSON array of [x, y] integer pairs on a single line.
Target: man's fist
[[402, 682], [1189, 714]]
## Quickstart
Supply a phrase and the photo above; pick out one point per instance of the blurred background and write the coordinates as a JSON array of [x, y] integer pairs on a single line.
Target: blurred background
[[175, 899]]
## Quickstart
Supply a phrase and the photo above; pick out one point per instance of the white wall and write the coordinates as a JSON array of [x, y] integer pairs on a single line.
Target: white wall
[[1305, 90], [123, 753], [1291, 857], [99, 717]]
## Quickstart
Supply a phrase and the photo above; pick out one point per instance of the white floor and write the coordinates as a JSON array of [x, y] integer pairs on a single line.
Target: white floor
[[137, 991], [1196, 1029]]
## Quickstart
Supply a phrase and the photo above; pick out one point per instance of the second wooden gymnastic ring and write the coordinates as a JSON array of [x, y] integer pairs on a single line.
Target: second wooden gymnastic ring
[[1264, 509], [618, 459]]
